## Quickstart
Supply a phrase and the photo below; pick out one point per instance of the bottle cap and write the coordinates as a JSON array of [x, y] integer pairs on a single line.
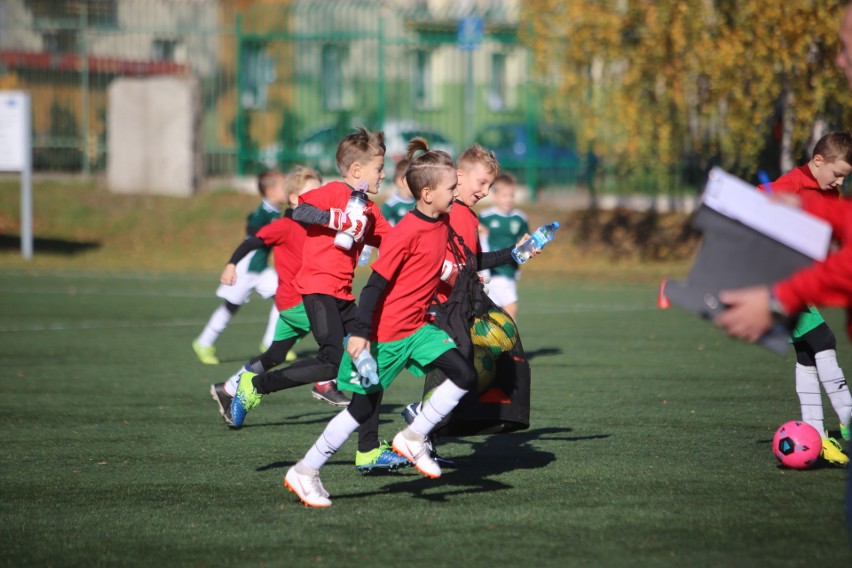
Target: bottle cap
[[556, 224]]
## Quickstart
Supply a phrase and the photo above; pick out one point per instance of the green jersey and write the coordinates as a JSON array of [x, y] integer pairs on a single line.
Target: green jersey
[[504, 230], [260, 217], [395, 208]]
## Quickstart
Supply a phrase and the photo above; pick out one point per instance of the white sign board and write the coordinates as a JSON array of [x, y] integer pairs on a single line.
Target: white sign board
[[14, 126]]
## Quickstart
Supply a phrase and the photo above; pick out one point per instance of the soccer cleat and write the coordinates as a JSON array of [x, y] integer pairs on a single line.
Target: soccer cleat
[[408, 414], [245, 399], [417, 452], [831, 452], [329, 393], [206, 355], [382, 458], [308, 487], [845, 433], [223, 399]]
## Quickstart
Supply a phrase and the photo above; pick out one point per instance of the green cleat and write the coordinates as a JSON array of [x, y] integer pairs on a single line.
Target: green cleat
[[246, 398], [845, 433], [382, 458], [206, 355]]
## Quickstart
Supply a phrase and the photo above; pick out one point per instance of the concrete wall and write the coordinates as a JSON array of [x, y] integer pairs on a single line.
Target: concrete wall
[[152, 136]]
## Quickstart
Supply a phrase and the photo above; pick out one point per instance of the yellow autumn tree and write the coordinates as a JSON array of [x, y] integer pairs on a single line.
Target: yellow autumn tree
[[657, 85]]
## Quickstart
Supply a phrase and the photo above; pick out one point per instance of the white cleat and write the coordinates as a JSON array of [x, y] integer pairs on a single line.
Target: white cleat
[[308, 487], [417, 451]]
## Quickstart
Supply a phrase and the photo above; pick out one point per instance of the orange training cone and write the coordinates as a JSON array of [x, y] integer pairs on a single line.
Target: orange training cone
[[663, 302]]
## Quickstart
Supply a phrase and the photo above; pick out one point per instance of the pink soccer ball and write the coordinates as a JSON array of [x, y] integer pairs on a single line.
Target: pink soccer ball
[[797, 445]]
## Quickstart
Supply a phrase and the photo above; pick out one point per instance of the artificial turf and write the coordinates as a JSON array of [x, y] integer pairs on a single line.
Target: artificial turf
[[649, 444]]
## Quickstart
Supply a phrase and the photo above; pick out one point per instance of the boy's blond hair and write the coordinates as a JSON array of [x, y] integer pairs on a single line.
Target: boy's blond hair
[[476, 154], [835, 146], [298, 177], [267, 178], [361, 146]]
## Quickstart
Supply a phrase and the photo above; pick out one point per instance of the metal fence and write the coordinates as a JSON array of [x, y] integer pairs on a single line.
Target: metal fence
[[282, 81]]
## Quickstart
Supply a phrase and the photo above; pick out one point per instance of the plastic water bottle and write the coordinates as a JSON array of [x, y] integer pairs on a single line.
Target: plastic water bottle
[[368, 369], [357, 204], [536, 242], [364, 259]]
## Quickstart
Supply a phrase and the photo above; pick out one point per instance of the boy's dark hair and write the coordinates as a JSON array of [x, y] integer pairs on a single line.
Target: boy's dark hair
[[425, 170], [835, 146], [361, 146], [504, 179], [401, 167], [267, 178]]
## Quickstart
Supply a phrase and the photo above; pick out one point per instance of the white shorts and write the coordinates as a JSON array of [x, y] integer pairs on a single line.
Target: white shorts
[[503, 290], [264, 283]]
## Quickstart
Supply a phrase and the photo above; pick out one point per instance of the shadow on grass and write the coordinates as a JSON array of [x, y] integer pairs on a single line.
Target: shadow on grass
[[491, 457], [543, 352], [48, 246]]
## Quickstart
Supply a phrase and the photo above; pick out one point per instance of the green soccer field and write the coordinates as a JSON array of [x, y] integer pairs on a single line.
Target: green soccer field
[[649, 444]]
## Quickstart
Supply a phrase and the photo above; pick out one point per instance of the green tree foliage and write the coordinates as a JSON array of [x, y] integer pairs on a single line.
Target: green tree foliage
[[656, 84]]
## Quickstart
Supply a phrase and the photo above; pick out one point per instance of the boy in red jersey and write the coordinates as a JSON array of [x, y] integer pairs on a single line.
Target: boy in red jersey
[[813, 340], [477, 170], [325, 283], [392, 323], [287, 238]]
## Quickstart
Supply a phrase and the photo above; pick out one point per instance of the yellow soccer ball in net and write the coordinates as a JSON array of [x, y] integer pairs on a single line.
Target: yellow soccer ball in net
[[495, 331], [485, 363]]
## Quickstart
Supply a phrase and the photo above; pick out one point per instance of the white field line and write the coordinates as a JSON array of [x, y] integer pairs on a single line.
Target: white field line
[[84, 325]]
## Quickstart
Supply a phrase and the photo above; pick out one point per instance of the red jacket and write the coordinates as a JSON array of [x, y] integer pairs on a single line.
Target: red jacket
[[827, 283]]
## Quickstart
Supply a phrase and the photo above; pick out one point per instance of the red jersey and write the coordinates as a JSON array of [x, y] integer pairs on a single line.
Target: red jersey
[[410, 259], [287, 237], [800, 180], [327, 269], [465, 223], [827, 283]]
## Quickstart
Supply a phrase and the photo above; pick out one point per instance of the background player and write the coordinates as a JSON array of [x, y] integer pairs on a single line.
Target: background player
[[253, 271], [503, 226], [813, 340]]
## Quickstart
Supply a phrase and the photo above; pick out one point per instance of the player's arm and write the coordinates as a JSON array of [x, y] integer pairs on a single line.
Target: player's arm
[[229, 275], [367, 303], [335, 219]]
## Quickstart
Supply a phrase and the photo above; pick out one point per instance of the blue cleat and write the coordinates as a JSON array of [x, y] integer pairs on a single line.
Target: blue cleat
[[245, 399], [382, 458]]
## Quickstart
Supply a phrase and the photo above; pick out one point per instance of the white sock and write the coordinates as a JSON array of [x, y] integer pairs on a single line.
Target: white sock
[[831, 377], [233, 383], [217, 324], [810, 397], [441, 402], [331, 439], [269, 334]]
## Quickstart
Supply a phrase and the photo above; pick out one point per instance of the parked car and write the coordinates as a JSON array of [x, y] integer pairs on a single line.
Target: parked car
[[553, 153], [318, 147]]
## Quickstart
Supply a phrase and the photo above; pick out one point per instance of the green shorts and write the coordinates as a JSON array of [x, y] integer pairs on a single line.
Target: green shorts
[[292, 323], [808, 321], [414, 353]]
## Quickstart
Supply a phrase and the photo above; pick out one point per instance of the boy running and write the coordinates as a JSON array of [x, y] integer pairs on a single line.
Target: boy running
[[254, 273], [325, 283], [287, 237], [392, 323]]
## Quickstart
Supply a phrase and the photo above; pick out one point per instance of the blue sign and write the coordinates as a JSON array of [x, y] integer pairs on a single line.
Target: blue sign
[[471, 31]]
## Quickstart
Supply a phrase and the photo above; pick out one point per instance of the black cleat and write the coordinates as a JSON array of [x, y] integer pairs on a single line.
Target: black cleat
[[223, 399], [329, 393]]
